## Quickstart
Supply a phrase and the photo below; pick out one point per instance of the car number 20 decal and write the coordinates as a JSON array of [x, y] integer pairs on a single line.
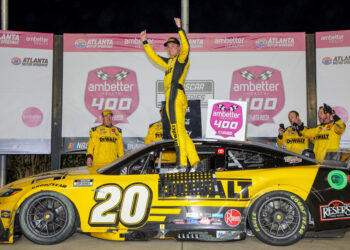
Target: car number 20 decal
[[113, 205]]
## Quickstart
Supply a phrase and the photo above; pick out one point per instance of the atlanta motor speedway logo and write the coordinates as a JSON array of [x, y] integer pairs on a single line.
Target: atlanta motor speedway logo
[[336, 60]]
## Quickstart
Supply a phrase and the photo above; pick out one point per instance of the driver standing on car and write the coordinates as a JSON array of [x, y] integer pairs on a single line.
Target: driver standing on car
[[176, 67], [326, 135], [105, 143], [291, 138]]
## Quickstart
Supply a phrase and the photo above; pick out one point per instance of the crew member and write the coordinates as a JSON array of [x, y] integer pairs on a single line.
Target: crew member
[[155, 133], [326, 135], [291, 138], [105, 143], [176, 102]]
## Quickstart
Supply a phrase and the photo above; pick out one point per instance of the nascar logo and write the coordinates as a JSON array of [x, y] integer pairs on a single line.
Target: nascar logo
[[77, 145]]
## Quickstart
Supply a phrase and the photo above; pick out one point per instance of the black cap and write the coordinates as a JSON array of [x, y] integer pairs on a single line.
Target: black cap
[[172, 40]]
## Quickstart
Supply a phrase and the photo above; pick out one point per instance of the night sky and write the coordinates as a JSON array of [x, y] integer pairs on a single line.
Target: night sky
[[206, 16]]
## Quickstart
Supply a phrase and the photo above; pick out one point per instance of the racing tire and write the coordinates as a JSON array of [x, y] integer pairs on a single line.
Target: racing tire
[[47, 218], [279, 218]]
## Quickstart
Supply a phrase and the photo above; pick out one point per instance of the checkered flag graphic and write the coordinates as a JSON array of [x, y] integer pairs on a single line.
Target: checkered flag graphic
[[266, 75], [221, 107], [121, 75], [247, 75], [233, 107], [102, 75]]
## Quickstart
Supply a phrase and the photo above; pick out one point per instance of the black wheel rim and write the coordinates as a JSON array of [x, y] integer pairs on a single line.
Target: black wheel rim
[[46, 217], [279, 217]]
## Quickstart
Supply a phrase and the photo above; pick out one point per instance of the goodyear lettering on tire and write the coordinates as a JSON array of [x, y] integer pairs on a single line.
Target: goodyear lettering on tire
[[303, 211]]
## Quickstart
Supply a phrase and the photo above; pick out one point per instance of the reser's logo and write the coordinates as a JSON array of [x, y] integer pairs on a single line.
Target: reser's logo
[[335, 210]]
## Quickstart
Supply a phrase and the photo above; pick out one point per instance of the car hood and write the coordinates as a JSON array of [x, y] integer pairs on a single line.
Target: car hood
[[53, 174]]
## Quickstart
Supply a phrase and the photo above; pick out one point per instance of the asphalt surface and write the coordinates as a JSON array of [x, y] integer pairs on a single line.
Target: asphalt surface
[[85, 242]]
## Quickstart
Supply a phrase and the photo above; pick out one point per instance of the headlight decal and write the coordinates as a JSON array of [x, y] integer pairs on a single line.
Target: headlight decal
[[10, 191]]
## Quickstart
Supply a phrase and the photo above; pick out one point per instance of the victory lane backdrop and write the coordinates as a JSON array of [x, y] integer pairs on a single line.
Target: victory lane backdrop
[[333, 72], [112, 71], [25, 92]]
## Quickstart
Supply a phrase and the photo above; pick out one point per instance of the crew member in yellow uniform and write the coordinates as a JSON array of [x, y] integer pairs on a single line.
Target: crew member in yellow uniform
[[290, 137], [155, 133], [176, 102], [327, 135], [105, 143]]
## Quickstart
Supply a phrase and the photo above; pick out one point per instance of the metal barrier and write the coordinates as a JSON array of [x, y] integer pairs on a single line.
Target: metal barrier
[[2, 170]]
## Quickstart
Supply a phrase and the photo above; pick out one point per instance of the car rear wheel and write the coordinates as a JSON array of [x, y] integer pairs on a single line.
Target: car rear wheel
[[279, 218], [47, 218]]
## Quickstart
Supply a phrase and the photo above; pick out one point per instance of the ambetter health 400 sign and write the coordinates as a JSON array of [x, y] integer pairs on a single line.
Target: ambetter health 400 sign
[[226, 120]]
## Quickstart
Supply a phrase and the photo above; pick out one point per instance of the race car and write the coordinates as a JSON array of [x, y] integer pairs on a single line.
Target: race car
[[237, 187]]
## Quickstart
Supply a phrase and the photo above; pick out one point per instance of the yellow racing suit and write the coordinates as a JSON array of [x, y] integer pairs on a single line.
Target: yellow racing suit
[[292, 141], [155, 133], [105, 145], [175, 98], [327, 137]]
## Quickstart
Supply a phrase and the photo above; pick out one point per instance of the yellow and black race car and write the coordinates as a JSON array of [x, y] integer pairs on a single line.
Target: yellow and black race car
[[276, 194]]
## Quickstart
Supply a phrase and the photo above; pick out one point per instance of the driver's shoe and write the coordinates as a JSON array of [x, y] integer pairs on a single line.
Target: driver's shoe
[[197, 168], [180, 169], [193, 169]]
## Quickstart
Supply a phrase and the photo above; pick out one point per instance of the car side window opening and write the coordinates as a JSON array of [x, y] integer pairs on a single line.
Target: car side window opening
[[232, 160], [166, 164], [239, 159], [137, 166], [154, 162], [163, 161]]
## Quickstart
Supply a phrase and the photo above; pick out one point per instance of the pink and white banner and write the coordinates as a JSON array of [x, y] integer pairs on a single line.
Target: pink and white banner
[[112, 70], [25, 92], [333, 72]]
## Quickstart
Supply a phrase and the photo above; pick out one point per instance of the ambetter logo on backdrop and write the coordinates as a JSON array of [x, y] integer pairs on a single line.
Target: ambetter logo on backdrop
[[262, 87], [113, 88]]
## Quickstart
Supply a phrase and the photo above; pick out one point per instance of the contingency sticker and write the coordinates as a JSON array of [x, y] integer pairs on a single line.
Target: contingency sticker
[[233, 217], [292, 159], [83, 183], [5, 214]]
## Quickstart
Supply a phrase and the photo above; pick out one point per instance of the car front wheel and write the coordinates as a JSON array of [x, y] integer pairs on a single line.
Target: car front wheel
[[47, 218], [279, 218]]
